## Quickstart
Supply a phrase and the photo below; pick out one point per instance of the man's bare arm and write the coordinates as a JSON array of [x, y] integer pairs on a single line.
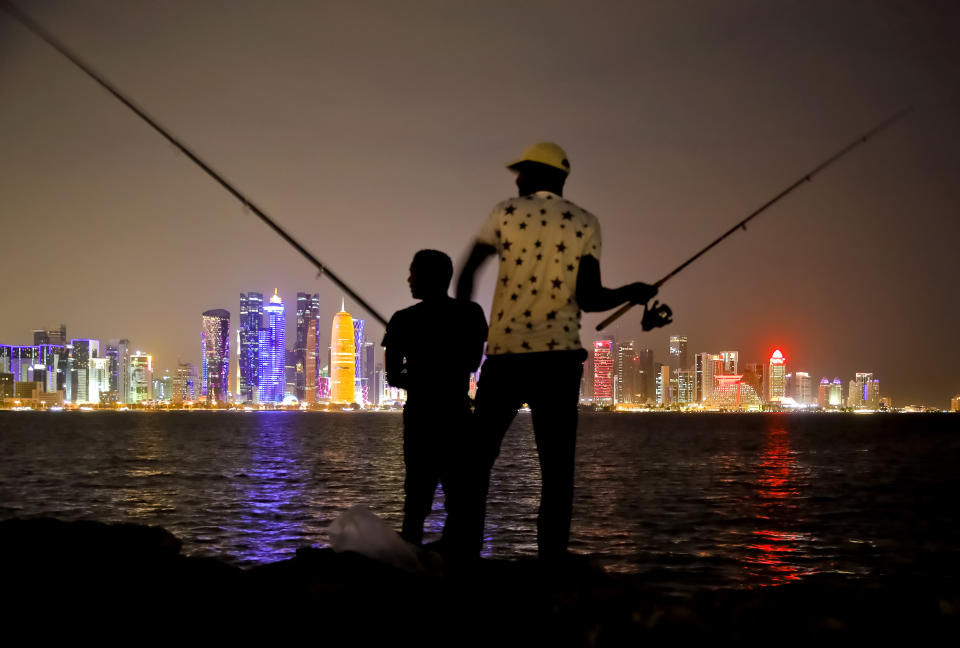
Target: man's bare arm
[[480, 253], [593, 297]]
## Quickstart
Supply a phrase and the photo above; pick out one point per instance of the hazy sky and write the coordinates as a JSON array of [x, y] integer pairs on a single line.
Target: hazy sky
[[371, 130]]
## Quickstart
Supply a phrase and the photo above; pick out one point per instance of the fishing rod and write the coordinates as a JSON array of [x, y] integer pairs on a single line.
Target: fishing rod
[[807, 177], [44, 35]]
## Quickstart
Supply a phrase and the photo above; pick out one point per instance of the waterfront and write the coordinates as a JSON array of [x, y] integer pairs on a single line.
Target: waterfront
[[689, 501]]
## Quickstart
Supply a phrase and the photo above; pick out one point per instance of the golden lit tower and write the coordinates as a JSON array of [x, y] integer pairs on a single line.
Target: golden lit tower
[[342, 358]]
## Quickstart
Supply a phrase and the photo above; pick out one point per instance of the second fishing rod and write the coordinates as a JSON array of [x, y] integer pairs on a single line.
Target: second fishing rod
[[664, 312]]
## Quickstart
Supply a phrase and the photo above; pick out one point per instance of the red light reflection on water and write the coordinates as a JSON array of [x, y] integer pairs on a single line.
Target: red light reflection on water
[[769, 557]]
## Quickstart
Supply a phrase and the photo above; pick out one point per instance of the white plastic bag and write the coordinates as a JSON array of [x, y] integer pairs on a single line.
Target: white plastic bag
[[359, 530]]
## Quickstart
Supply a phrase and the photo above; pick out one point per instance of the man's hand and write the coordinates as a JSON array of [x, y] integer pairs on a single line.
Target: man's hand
[[641, 293], [656, 316]]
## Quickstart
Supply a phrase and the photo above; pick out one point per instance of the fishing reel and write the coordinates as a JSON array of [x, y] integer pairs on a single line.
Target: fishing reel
[[656, 316]]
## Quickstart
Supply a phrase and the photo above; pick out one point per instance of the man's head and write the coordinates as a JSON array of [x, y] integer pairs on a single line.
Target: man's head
[[542, 167], [430, 274]]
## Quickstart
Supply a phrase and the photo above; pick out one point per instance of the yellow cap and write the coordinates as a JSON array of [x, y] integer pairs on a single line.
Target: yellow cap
[[544, 153]]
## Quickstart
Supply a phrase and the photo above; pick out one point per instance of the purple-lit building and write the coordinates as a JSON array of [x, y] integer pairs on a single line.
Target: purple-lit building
[[248, 346], [215, 355], [272, 352]]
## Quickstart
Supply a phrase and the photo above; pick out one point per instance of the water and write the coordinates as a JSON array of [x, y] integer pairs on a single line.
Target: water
[[690, 501]]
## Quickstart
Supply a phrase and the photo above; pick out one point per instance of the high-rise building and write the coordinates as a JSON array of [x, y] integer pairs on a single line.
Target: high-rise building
[[360, 377], [823, 393], [647, 377], [184, 383], [110, 352], [215, 355], [83, 350], [140, 377], [51, 335], [272, 352], [802, 388], [684, 393], [706, 367], [836, 393], [248, 346], [54, 359], [308, 310], [776, 378], [955, 403], [343, 358], [626, 387], [678, 352], [291, 371], [664, 394], [311, 370], [864, 392], [99, 379], [603, 372], [730, 362], [163, 387]]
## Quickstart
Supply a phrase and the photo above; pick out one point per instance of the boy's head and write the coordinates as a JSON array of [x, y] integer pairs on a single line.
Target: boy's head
[[430, 274]]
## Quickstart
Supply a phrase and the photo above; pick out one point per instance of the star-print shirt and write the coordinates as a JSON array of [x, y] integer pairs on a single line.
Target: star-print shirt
[[539, 239]]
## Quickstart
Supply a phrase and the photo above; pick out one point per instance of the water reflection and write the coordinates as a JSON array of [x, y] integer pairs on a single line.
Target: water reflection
[[149, 495], [774, 556], [271, 516]]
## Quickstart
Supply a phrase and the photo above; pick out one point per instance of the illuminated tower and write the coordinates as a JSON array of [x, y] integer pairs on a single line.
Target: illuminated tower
[[79, 361], [140, 377], [343, 358], [272, 351], [603, 372], [776, 381], [215, 355], [248, 346], [626, 381], [308, 308], [678, 352]]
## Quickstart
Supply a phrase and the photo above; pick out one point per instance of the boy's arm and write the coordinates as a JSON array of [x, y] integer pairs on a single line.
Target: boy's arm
[[478, 329], [393, 356]]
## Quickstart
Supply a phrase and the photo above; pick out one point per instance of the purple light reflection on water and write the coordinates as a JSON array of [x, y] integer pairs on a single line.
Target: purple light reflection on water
[[271, 519]]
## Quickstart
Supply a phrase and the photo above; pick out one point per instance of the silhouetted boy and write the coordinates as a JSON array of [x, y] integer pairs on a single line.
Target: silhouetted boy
[[431, 349]]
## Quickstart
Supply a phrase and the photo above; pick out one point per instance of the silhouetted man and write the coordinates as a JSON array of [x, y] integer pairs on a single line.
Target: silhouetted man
[[549, 271], [431, 349]]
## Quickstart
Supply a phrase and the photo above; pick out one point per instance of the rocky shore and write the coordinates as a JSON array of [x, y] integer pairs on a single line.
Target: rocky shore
[[123, 574]]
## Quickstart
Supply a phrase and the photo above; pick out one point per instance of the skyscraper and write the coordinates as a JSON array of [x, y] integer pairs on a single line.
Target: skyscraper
[[308, 309], [215, 355], [648, 376], [802, 388], [776, 380], [140, 377], [248, 346], [272, 352], [360, 381], [823, 393], [730, 362], [706, 367], [679, 358], [603, 372], [99, 379], [311, 370], [184, 383], [343, 358], [83, 350], [626, 387]]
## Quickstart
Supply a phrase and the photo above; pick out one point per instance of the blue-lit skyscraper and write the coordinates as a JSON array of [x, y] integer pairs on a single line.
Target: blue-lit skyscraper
[[272, 352], [248, 346]]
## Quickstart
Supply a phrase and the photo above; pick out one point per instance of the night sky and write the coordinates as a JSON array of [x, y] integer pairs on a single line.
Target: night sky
[[371, 130]]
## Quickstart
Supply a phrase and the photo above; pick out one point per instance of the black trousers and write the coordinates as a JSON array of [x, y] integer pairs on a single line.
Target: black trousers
[[549, 383], [436, 442]]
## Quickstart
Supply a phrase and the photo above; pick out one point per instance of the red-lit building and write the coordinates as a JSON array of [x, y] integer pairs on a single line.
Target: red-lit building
[[603, 372]]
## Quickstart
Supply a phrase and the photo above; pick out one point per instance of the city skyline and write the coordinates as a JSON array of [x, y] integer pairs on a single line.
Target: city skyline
[[675, 347], [678, 120]]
